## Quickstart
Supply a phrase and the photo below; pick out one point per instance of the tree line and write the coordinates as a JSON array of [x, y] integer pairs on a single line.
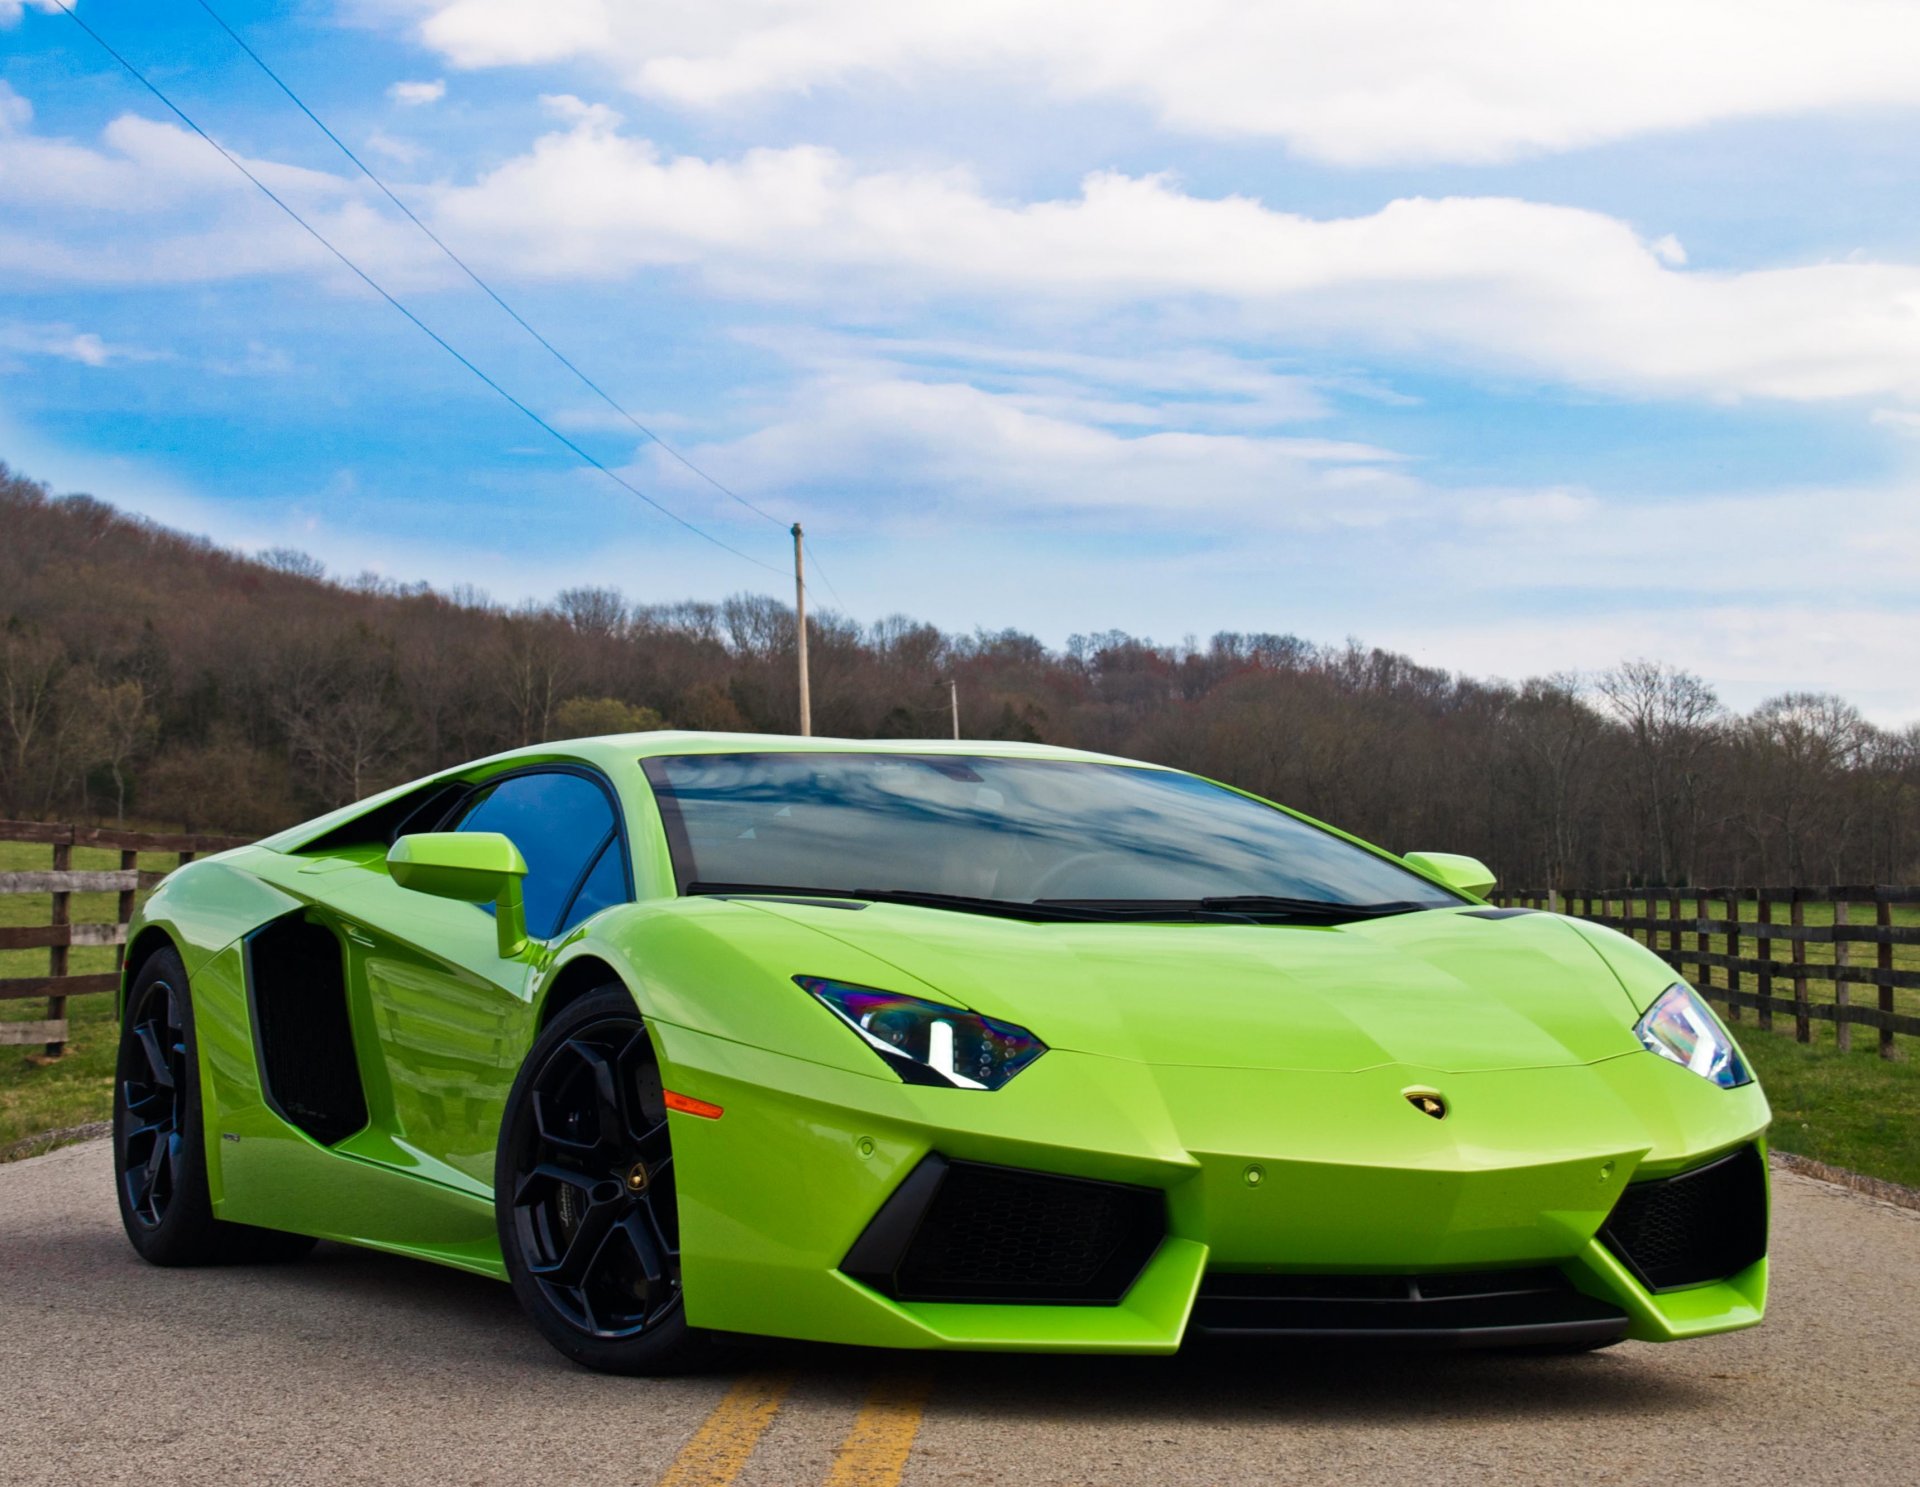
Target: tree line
[[151, 674]]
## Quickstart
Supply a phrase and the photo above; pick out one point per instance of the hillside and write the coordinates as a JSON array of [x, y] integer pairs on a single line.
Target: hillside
[[146, 671]]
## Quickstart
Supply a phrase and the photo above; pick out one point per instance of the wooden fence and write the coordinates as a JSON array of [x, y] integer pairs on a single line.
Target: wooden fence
[[61, 934], [1834, 941]]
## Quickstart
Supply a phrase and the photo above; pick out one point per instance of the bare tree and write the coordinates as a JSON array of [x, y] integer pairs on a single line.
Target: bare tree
[[1672, 719]]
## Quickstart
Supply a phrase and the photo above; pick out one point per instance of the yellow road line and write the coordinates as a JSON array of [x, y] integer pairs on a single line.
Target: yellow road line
[[720, 1448], [874, 1454]]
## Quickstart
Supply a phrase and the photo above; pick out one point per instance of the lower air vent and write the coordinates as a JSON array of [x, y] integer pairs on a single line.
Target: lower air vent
[[1491, 1308], [961, 1231], [1703, 1225]]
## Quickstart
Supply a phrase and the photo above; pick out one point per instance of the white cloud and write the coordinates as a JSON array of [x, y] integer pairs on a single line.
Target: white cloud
[[65, 208], [1356, 82], [415, 94], [1554, 292], [66, 344], [15, 111], [1559, 292], [12, 10], [910, 440]]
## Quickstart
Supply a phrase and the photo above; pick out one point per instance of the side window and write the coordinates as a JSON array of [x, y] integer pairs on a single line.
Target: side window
[[606, 885], [560, 823]]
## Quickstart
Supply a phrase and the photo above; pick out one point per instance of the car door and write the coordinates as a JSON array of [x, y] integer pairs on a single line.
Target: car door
[[449, 1014]]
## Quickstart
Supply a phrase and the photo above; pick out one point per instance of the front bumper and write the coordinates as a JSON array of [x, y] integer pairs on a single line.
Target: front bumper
[[1264, 1173]]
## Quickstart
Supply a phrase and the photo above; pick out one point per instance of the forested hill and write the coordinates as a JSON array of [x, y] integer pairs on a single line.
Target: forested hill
[[152, 673]]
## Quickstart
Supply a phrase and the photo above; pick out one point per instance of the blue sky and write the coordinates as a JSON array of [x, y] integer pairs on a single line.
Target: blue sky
[[1521, 335]]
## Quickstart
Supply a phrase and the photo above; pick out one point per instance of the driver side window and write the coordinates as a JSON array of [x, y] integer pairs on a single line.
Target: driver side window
[[564, 826]]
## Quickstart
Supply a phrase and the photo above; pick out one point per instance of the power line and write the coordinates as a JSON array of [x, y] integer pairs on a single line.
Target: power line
[[370, 282], [485, 288]]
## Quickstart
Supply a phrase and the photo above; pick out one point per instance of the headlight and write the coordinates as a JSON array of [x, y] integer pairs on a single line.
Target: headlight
[[927, 1042], [1680, 1027]]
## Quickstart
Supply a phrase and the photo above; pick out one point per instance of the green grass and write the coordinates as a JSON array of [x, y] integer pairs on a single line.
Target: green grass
[[1852, 1110], [78, 1088]]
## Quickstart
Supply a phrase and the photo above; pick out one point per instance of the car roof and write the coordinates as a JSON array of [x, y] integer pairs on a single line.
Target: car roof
[[626, 747]]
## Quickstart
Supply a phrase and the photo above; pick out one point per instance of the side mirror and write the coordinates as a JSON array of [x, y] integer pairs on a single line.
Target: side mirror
[[1468, 874], [476, 867]]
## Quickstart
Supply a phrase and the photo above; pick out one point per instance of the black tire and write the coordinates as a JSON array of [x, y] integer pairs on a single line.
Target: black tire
[[159, 1142], [584, 1195]]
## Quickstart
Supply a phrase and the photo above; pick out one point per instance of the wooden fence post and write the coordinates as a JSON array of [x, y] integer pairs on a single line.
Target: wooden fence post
[[1883, 916], [1842, 991], [1764, 977], [1733, 953], [57, 954], [1802, 1022]]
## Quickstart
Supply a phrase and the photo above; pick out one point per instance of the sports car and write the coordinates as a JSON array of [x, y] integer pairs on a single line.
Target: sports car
[[928, 1045]]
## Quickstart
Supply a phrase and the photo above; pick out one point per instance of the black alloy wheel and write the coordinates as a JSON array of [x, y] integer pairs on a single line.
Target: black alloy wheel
[[589, 1224], [159, 1141], [153, 1085]]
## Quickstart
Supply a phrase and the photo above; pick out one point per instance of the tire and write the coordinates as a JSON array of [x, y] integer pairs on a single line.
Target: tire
[[159, 1141], [584, 1195]]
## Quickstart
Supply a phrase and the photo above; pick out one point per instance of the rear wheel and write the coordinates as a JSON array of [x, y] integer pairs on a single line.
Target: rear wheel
[[159, 1146], [585, 1197]]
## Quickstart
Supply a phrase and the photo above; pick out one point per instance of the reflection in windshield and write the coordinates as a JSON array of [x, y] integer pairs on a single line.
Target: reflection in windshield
[[1011, 829]]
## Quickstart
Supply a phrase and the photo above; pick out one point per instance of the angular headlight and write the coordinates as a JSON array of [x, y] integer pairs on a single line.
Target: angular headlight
[[1680, 1027], [928, 1042]]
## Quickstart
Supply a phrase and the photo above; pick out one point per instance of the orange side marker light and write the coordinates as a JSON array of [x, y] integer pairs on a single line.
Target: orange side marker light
[[687, 1105]]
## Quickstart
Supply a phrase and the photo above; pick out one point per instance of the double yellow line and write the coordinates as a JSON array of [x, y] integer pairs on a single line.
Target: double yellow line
[[874, 1453]]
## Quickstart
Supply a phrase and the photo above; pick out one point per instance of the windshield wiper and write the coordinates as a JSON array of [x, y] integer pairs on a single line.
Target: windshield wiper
[[1312, 908], [1005, 908]]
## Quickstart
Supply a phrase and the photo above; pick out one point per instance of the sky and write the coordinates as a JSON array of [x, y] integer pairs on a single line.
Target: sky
[[1518, 335]]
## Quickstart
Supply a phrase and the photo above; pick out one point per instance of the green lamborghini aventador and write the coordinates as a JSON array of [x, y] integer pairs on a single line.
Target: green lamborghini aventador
[[928, 1045]]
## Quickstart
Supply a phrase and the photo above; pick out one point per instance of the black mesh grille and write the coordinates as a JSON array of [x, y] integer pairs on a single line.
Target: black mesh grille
[[961, 1231], [1703, 1225], [1478, 1308]]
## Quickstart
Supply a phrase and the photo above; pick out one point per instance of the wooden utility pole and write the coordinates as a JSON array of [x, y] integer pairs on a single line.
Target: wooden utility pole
[[800, 630], [953, 696]]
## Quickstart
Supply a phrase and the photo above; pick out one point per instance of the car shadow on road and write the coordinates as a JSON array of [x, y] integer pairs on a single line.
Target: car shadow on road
[[1230, 1384], [427, 1310]]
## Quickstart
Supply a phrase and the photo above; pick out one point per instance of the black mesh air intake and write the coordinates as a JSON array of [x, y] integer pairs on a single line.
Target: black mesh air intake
[[1703, 1225], [961, 1231]]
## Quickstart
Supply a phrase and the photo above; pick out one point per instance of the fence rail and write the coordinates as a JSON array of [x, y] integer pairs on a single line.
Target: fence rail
[[59, 882], [1833, 940]]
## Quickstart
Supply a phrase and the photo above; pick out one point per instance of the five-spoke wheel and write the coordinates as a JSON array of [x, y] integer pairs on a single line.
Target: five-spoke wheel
[[159, 1144], [585, 1193]]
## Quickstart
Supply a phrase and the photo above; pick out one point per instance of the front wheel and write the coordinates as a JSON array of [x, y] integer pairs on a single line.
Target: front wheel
[[159, 1146], [584, 1194]]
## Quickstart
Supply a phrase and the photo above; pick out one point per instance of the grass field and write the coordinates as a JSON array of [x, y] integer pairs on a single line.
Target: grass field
[[1852, 1110]]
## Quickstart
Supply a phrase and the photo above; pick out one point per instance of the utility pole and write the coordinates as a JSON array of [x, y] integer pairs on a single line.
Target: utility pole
[[953, 696], [800, 630]]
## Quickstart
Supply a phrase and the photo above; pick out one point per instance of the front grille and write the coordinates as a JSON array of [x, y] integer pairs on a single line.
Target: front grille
[[1479, 1308], [963, 1231], [1703, 1225]]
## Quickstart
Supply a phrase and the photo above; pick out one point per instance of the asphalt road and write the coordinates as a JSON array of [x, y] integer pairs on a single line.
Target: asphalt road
[[353, 1367]]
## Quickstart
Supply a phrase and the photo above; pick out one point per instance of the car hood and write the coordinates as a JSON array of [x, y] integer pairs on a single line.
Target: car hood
[[1447, 990]]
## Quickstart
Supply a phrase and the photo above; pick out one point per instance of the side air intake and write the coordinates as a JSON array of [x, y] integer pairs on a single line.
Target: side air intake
[[297, 991]]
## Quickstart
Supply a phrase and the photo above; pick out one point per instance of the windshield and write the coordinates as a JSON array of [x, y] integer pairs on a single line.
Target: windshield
[[1009, 830]]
